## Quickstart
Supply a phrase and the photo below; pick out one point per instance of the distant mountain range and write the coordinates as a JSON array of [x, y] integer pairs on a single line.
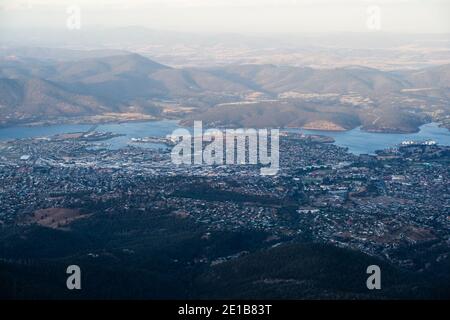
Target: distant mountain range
[[377, 49], [35, 87]]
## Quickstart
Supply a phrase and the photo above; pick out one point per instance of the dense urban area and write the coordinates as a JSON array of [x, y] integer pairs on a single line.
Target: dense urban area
[[379, 204]]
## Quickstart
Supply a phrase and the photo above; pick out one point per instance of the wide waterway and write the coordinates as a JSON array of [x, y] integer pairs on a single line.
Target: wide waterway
[[356, 140]]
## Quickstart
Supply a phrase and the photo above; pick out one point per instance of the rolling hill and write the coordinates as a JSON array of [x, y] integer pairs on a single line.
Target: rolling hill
[[35, 98], [244, 95]]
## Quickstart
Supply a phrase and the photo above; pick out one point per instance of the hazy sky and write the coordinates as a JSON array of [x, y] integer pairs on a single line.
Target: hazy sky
[[296, 16]]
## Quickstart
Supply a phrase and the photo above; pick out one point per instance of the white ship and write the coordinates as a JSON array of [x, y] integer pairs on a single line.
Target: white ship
[[418, 143]]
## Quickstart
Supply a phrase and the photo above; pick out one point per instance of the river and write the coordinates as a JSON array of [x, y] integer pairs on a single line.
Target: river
[[356, 140]]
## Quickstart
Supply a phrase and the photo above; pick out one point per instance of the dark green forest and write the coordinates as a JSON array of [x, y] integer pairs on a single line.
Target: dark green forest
[[160, 256]]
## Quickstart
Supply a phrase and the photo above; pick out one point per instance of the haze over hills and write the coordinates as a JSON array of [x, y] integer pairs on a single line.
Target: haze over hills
[[381, 50], [236, 95]]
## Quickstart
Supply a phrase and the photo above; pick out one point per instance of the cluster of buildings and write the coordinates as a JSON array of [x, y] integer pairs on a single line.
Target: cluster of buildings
[[380, 204]]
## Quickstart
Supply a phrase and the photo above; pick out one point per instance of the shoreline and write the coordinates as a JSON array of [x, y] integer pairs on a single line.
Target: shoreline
[[182, 123]]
